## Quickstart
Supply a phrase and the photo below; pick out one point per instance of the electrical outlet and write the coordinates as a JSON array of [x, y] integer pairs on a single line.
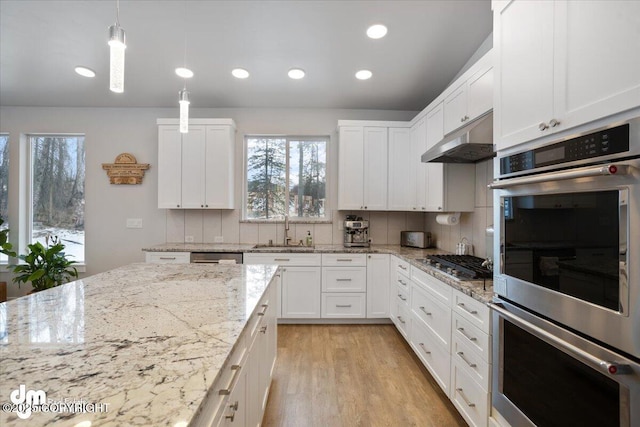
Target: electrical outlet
[[188, 239], [134, 222], [218, 239]]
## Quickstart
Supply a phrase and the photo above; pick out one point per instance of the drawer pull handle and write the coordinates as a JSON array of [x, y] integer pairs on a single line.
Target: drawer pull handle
[[344, 259], [424, 348], [343, 280], [226, 391], [282, 259], [471, 405], [343, 305], [425, 311], [402, 266], [234, 408], [263, 329], [470, 338], [401, 320], [461, 354], [401, 297], [167, 257], [402, 283], [462, 306], [264, 309]]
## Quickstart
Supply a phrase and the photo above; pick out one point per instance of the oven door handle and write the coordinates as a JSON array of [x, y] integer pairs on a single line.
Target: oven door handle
[[606, 170], [607, 367]]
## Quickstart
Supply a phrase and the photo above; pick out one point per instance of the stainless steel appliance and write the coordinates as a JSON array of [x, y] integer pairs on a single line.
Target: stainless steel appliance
[[356, 233], [567, 279], [216, 257], [462, 267], [415, 239]]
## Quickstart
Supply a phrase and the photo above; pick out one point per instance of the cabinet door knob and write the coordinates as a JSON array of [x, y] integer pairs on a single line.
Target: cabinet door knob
[[365, 207], [202, 206], [177, 206], [543, 126], [553, 123]]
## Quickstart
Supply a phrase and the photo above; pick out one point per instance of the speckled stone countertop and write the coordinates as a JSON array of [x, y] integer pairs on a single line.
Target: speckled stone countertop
[[475, 289], [147, 340]]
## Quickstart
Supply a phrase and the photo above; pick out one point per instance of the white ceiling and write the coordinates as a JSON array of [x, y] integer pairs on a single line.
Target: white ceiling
[[427, 44]]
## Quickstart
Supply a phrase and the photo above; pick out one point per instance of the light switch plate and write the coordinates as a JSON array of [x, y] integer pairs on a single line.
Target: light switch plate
[[134, 222], [188, 239], [218, 239]]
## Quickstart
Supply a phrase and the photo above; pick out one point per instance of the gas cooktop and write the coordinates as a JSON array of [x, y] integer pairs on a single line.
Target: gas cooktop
[[463, 267]]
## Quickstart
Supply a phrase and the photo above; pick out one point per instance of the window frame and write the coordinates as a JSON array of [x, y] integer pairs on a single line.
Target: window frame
[[27, 215], [288, 138], [4, 259]]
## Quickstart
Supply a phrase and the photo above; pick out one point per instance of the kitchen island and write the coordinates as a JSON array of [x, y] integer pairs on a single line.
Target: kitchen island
[[138, 345]]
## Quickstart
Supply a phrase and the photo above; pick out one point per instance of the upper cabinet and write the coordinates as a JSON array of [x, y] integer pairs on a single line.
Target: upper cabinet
[[562, 64], [418, 169], [471, 98], [400, 188], [362, 168], [196, 169]]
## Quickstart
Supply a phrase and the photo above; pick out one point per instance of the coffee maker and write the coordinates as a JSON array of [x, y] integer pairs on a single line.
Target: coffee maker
[[356, 232]]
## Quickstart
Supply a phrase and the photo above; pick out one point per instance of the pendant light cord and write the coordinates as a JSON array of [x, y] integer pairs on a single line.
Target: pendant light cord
[[118, 12]]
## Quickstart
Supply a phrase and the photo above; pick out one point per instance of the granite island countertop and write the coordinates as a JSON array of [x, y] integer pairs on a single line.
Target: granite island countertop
[[475, 288], [143, 341]]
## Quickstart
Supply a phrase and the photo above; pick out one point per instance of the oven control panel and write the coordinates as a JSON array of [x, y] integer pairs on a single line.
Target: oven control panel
[[597, 144]]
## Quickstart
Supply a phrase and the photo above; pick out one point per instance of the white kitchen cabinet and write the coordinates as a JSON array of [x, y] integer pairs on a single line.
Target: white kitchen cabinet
[[301, 289], [450, 187], [400, 193], [378, 286], [344, 279], [168, 257], [433, 354], [471, 98], [562, 64], [344, 305], [195, 170], [435, 125], [235, 410], [417, 168], [362, 168]]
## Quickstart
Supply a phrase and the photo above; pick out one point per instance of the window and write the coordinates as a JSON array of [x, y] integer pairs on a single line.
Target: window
[[285, 176], [57, 191], [4, 185]]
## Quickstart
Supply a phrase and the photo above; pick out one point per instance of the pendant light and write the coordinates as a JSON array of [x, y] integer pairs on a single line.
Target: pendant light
[[183, 100], [116, 52]]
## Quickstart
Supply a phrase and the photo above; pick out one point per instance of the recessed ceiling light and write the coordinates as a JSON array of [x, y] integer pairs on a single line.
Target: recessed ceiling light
[[85, 72], [185, 73], [377, 31], [296, 73], [240, 73], [364, 75]]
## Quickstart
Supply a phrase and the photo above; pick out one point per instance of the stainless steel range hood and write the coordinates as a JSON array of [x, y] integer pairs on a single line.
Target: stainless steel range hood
[[469, 144]]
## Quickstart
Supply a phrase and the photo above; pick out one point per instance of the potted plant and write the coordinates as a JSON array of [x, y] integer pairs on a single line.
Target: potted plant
[[44, 266], [5, 246]]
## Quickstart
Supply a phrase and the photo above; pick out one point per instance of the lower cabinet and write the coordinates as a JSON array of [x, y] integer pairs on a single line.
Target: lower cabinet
[[301, 292], [168, 257]]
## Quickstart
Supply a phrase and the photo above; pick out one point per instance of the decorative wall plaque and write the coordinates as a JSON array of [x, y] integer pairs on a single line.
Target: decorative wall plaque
[[125, 170]]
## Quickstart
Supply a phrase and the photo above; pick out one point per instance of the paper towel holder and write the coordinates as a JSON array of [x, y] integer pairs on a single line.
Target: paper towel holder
[[451, 218]]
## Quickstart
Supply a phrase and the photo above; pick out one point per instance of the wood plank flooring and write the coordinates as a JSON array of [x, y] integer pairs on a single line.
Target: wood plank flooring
[[352, 375]]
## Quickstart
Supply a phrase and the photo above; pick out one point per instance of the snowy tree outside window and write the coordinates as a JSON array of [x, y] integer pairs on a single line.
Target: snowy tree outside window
[[57, 189], [4, 185], [285, 176]]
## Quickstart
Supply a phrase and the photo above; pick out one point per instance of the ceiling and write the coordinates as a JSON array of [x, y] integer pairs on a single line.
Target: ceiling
[[427, 44]]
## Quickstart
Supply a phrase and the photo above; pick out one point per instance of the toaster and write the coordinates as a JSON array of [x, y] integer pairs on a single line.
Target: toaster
[[415, 239]]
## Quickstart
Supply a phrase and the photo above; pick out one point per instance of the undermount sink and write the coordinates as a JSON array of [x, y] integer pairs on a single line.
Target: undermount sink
[[296, 248]]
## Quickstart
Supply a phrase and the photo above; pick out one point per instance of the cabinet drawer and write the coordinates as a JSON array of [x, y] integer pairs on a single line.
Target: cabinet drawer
[[344, 279], [168, 257], [470, 399], [476, 367], [344, 260], [474, 311], [402, 295], [471, 335], [344, 305], [400, 264], [282, 259], [432, 354], [401, 280], [402, 319], [437, 288], [435, 315]]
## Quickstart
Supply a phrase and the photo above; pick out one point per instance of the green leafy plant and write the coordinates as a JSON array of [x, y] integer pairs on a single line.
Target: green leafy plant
[[44, 266], [5, 246]]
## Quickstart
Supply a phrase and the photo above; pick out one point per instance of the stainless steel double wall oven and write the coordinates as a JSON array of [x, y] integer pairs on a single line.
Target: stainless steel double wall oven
[[566, 321]]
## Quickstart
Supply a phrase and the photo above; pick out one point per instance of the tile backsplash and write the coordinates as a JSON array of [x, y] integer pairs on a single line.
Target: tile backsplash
[[207, 226]]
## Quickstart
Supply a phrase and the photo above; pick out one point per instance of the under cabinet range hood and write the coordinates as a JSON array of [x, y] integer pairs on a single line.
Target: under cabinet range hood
[[468, 144]]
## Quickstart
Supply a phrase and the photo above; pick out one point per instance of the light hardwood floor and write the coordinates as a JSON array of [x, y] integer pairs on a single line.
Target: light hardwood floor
[[352, 375]]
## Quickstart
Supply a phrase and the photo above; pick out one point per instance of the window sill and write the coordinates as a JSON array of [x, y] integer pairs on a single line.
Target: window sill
[[291, 221]]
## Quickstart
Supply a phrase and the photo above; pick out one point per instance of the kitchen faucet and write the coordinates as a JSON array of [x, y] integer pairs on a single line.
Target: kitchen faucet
[[286, 230]]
